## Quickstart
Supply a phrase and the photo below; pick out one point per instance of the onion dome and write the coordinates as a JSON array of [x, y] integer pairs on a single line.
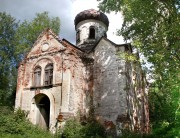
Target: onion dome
[[91, 14]]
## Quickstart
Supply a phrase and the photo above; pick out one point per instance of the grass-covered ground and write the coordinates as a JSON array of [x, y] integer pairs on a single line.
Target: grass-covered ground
[[15, 125]]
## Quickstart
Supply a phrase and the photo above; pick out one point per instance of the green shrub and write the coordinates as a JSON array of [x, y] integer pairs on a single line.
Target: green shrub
[[93, 130], [15, 125], [130, 134], [74, 129], [166, 130]]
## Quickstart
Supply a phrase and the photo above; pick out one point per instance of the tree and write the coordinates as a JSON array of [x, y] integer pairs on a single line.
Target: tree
[[8, 29], [154, 29], [16, 39]]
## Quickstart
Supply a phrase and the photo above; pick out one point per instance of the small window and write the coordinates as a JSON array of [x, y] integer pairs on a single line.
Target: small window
[[37, 76], [91, 33], [78, 36], [49, 74]]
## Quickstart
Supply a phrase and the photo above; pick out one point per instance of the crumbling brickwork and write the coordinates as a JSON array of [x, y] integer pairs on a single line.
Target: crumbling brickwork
[[66, 94]]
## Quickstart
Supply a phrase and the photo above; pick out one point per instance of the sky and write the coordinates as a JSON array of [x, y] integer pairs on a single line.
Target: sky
[[66, 10]]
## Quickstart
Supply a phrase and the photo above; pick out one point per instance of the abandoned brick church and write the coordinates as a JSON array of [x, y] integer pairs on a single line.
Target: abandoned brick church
[[58, 80]]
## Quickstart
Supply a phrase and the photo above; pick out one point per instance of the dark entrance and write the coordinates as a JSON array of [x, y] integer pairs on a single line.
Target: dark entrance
[[43, 104]]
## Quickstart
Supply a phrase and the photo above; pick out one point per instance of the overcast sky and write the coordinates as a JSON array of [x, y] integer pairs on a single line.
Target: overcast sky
[[66, 10]]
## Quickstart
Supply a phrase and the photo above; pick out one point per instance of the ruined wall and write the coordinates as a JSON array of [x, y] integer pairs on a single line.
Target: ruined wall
[[109, 83], [120, 89], [137, 92], [68, 80]]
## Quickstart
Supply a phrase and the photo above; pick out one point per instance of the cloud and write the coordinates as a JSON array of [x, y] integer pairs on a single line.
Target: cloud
[[115, 23], [66, 10], [26, 9]]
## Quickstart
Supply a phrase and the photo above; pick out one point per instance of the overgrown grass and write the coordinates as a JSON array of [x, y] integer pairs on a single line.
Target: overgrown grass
[[15, 125], [74, 129]]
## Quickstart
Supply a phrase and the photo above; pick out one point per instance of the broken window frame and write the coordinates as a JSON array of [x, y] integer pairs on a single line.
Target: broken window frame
[[48, 75], [37, 76]]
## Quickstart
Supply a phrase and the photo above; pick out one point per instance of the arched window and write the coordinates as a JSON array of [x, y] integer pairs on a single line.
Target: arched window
[[48, 74], [92, 32], [37, 76]]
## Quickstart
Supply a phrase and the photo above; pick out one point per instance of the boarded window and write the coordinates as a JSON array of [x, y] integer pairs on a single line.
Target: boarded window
[[48, 74], [37, 76], [91, 33]]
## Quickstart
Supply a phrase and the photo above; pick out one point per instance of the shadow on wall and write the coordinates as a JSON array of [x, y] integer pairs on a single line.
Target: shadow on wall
[[43, 110], [106, 83]]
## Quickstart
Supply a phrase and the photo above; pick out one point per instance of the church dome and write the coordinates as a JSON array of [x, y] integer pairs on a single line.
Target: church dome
[[91, 14]]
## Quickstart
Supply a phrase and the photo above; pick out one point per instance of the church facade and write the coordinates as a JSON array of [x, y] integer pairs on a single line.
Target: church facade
[[58, 80]]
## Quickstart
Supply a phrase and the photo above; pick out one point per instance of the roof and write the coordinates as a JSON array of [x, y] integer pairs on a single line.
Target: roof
[[127, 45], [91, 14], [67, 42]]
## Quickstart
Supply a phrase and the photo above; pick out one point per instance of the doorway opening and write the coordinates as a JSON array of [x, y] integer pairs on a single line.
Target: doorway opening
[[43, 112]]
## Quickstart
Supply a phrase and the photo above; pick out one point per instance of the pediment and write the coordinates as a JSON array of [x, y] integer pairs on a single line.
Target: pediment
[[104, 45], [46, 43]]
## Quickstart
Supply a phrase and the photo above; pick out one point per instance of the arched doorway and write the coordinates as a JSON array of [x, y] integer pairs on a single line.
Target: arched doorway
[[43, 112]]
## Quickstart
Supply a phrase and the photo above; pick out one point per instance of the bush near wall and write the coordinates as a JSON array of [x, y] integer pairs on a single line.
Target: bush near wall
[[15, 125], [74, 129]]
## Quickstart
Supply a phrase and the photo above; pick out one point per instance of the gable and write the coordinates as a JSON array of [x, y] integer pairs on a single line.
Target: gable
[[105, 53], [105, 46], [46, 43]]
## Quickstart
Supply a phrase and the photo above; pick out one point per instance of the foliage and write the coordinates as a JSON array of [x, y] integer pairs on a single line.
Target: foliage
[[128, 57], [154, 29], [164, 111], [14, 124], [74, 129], [152, 26], [8, 29], [93, 129]]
